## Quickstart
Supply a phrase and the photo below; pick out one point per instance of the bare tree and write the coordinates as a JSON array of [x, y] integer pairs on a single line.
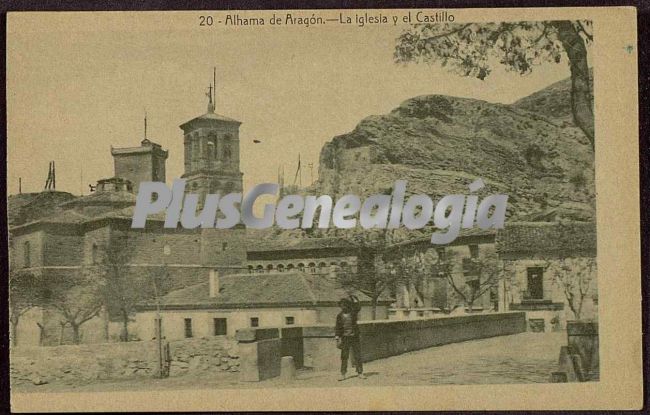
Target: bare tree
[[575, 277], [469, 49], [478, 277], [120, 289], [372, 277], [78, 299], [23, 296]]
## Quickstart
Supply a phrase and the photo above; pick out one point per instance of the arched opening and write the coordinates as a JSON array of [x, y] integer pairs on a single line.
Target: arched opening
[[94, 254], [260, 269], [290, 267], [269, 268], [280, 268], [312, 267], [301, 267]]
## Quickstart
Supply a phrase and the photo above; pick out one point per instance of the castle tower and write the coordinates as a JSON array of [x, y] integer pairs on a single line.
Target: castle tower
[[212, 153], [140, 164]]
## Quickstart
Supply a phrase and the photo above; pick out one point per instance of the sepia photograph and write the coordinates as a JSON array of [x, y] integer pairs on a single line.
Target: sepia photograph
[[339, 201]]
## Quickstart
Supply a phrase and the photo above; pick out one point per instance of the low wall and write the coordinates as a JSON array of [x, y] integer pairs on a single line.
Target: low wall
[[314, 346], [71, 364]]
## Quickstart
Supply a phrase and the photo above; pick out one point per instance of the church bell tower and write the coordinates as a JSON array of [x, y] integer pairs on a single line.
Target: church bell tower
[[212, 152]]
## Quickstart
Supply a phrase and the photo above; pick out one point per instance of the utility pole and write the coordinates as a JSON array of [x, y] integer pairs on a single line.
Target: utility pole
[[158, 329]]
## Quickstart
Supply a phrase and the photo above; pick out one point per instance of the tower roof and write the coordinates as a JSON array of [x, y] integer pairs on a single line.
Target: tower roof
[[146, 146], [207, 118]]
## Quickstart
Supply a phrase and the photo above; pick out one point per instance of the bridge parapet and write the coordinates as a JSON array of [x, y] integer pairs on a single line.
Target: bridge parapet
[[314, 346]]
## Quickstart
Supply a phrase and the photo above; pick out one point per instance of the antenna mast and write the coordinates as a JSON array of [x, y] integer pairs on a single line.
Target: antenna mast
[[50, 183]]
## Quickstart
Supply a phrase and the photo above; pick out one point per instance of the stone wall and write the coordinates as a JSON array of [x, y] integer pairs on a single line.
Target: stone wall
[[314, 346], [114, 361]]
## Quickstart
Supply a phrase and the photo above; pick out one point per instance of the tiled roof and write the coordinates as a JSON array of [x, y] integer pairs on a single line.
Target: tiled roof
[[462, 234], [541, 237], [280, 244], [259, 290], [99, 205], [127, 213]]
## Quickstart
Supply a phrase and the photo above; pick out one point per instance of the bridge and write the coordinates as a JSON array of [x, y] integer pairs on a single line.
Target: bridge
[[518, 358]]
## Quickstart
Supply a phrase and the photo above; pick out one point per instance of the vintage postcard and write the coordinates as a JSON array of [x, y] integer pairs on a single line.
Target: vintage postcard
[[407, 209]]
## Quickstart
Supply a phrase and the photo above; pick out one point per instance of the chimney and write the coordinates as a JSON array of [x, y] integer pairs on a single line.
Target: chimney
[[214, 282]]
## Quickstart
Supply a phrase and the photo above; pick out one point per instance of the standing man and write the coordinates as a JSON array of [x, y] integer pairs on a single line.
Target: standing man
[[347, 335]]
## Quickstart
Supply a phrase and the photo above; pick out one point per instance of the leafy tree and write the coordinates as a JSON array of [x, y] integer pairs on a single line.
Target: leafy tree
[[575, 277], [471, 49]]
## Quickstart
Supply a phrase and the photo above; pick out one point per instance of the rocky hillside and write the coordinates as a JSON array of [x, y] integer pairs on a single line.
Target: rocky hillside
[[440, 144], [554, 102]]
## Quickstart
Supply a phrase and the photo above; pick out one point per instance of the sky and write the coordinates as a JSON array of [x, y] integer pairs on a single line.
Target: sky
[[80, 83]]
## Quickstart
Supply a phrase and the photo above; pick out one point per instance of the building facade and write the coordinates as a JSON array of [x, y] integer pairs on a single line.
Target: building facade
[[310, 255], [549, 271], [229, 302]]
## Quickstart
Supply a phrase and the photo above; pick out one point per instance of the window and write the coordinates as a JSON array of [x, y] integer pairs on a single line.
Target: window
[[301, 267], [269, 267], [220, 326], [224, 246], [321, 267], [535, 281], [93, 254], [188, 327], [441, 254], [290, 267], [255, 322], [473, 251], [280, 268], [312, 267], [289, 320], [250, 269], [260, 269], [27, 255]]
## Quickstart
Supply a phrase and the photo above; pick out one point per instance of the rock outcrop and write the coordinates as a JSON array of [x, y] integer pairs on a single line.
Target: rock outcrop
[[440, 144]]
